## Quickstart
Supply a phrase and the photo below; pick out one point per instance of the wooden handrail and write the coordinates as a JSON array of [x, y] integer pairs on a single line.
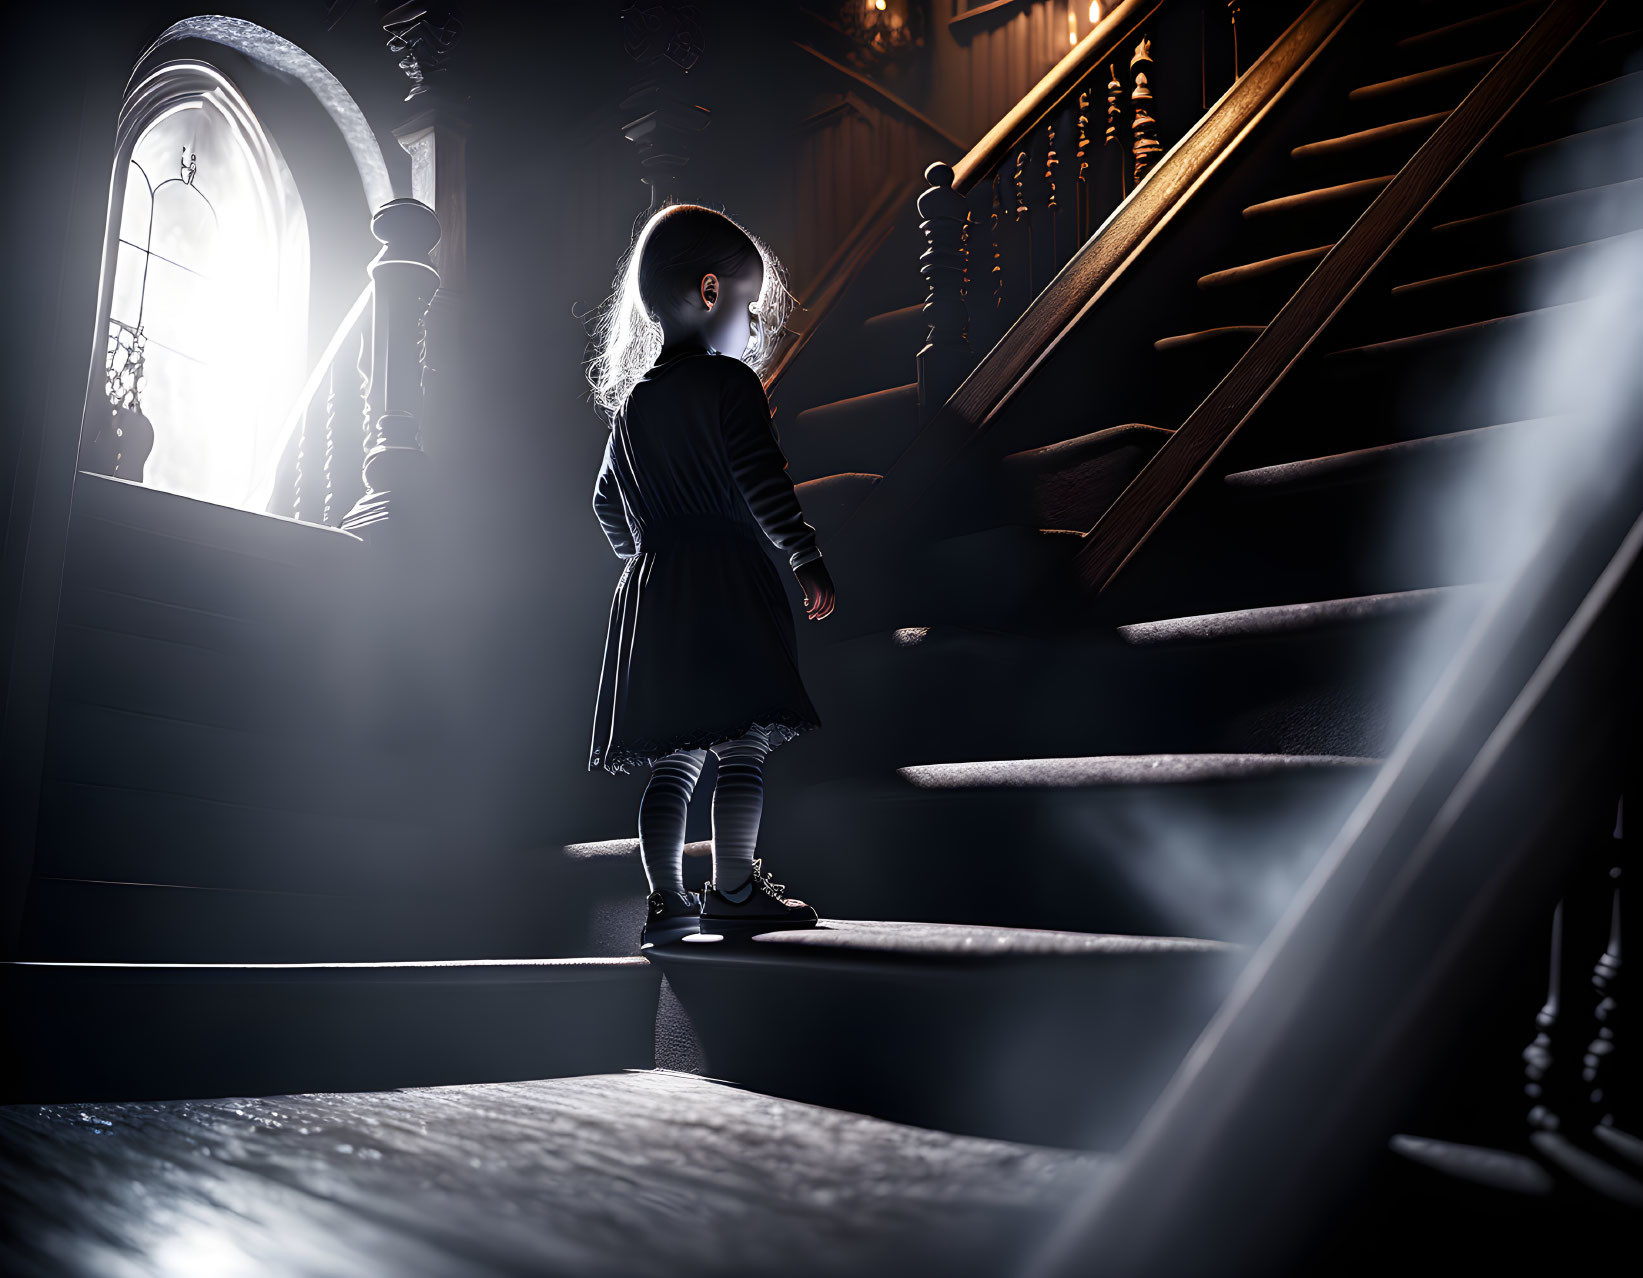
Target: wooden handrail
[[1189, 452], [1100, 264], [1103, 42]]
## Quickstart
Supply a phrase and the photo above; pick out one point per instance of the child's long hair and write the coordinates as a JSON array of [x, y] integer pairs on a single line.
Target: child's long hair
[[677, 245]]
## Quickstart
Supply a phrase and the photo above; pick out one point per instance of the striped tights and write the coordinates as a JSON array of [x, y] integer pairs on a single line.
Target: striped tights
[[738, 803]]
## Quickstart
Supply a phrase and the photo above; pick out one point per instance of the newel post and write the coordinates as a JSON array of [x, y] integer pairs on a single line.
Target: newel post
[[404, 280], [945, 360]]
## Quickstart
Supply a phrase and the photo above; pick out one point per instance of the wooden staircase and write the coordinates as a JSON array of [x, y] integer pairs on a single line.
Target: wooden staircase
[[1079, 806]]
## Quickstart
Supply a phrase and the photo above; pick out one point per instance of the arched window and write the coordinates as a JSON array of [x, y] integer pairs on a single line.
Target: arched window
[[208, 309], [244, 180]]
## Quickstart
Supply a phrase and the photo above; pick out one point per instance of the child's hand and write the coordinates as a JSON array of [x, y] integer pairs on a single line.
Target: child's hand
[[817, 584]]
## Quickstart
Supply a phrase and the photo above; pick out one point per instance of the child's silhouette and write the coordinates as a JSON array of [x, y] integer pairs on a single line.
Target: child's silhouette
[[701, 653]]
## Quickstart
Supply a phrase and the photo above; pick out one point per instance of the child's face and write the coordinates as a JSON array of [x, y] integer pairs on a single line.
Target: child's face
[[730, 324]]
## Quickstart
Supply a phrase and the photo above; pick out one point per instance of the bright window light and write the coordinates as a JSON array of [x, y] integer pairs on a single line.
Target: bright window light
[[212, 267]]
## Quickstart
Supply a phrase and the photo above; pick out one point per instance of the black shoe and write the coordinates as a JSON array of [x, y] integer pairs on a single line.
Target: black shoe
[[672, 915], [757, 906]]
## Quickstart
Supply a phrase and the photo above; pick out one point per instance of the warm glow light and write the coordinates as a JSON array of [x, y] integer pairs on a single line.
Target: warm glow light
[[1072, 25], [1095, 10], [879, 5]]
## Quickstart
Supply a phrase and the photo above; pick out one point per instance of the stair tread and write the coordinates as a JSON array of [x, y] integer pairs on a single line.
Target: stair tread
[[442, 970], [1074, 772], [1312, 470], [1367, 137], [1598, 87], [901, 315], [871, 399], [1282, 619], [1080, 443], [623, 850], [965, 943], [1317, 195], [1527, 261], [1417, 79], [1265, 266], [1181, 341], [1601, 133], [573, 1175], [1477, 19], [1410, 341], [1545, 204]]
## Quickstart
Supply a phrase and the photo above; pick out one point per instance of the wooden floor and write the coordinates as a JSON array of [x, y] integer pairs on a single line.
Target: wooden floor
[[615, 1174]]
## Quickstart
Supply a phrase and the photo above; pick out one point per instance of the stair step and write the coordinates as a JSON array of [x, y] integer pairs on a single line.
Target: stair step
[[1261, 686], [1480, 331], [615, 1175], [888, 402], [1120, 770], [861, 434], [1547, 168], [1267, 266], [1364, 189], [1416, 81], [960, 1027], [1558, 259], [1069, 484], [1378, 462], [905, 326], [1546, 224], [1165, 844], [1363, 139], [1468, 26], [257, 1029], [1374, 521], [1226, 334], [611, 877], [1287, 619], [830, 500], [1493, 289], [1004, 576]]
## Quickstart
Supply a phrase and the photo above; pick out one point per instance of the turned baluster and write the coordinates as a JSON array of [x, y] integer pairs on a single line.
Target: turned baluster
[[945, 360], [1146, 147], [1015, 242], [1051, 163], [1539, 1058], [347, 425], [995, 231], [299, 464], [1115, 110], [303, 483], [1035, 199], [403, 280], [1081, 174], [1599, 1073]]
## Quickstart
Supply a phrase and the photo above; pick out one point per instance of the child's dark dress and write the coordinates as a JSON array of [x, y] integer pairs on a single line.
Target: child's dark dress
[[701, 645]]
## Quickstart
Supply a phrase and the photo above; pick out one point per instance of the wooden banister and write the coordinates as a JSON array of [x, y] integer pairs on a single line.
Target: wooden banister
[[403, 280], [1096, 268], [1190, 451], [1104, 42]]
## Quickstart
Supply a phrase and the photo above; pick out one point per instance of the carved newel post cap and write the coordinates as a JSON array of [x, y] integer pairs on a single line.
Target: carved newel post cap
[[408, 228], [939, 174]]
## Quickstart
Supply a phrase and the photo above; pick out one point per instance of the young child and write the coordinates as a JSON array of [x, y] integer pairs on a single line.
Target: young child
[[701, 653]]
